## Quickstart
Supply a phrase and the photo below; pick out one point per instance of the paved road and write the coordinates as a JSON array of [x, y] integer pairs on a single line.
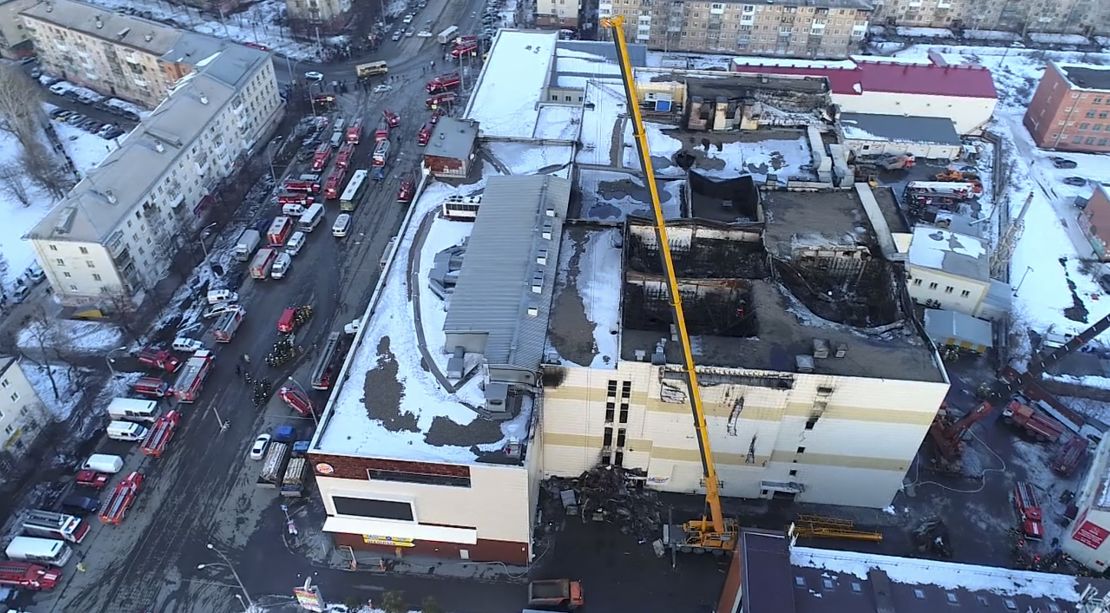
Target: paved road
[[203, 489]]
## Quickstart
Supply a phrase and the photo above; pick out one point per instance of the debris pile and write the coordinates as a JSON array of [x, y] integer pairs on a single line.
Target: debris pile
[[931, 537], [614, 495]]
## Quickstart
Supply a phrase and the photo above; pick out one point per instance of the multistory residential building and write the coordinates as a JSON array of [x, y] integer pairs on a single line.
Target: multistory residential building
[[557, 13], [114, 236], [821, 28], [315, 17], [1085, 17], [1070, 111], [22, 412], [15, 43]]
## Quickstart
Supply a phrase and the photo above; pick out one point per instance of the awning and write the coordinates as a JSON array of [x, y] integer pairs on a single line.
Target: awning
[[404, 530]]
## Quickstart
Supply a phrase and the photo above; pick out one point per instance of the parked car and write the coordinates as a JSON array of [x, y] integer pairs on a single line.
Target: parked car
[[382, 88], [219, 309], [260, 444], [397, 35], [59, 114], [20, 292], [34, 274], [114, 133], [1075, 181], [1060, 162], [186, 344], [312, 75], [407, 20]]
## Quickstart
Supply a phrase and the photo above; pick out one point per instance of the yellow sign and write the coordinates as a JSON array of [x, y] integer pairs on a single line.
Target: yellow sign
[[392, 541]]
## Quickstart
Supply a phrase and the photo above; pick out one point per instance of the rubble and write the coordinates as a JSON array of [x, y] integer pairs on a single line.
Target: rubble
[[609, 494]]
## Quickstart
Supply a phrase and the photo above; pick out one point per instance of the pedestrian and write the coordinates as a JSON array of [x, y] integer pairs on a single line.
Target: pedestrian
[[238, 370]]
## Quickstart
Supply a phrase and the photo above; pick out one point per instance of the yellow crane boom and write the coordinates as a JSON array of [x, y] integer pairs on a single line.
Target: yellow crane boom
[[713, 532]]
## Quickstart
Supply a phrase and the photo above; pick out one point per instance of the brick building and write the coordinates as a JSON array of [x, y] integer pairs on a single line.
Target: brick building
[[1070, 110], [1095, 221], [451, 148]]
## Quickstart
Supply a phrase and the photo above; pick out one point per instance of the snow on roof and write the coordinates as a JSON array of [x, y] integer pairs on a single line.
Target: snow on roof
[[1087, 76], [943, 325], [899, 129], [512, 82], [947, 575], [961, 80], [584, 327], [948, 251], [391, 404]]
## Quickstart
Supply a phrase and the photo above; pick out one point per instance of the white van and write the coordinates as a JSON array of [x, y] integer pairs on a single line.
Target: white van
[[102, 463], [133, 409], [216, 296], [342, 223], [126, 431], [311, 218], [295, 243], [292, 209], [185, 344], [281, 266]]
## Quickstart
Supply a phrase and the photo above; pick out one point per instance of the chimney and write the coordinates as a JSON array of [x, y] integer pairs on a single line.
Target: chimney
[[99, 22], [149, 36]]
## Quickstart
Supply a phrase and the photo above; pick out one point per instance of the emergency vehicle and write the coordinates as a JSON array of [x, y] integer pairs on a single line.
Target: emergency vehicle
[[334, 185], [443, 83], [320, 157], [191, 379], [439, 100], [157, 357], [307, 187], [354, 132], [343, 158], [160, 434], [122, 498], [393, 119], [425, 134], [28, 575], [151, 387]]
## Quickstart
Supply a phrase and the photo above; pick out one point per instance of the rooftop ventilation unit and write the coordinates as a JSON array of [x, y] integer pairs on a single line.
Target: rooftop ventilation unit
[[203, 99], [159, 147], [65, 221], [804, 363], [122, 33], [541, 257], [548, 228], [98, 21], [149, 36], [820, 348], [110, 196], [537, 282]]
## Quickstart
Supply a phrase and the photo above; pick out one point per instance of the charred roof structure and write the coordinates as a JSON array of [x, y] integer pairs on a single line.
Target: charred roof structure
[[798, 285], [720, 104]]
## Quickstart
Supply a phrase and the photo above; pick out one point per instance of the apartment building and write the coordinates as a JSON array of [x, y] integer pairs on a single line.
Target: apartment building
[[114, 54], [15, 43], [1094, 220], [818, 28], [557, 13], [312, 17], [116, 233], [22, 412], [1087, 17], [1070, 110]]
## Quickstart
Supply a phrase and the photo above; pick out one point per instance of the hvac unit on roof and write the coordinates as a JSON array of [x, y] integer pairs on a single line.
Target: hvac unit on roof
[[547, 229], [110, 197], [203, 99], [99, 22], [123, 32], [149, 36], [541, 257], [537, 282]]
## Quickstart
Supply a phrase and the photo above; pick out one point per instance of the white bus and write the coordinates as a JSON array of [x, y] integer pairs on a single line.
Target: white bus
[[349, 200], [311, 217], [32, 549], [133, 409]]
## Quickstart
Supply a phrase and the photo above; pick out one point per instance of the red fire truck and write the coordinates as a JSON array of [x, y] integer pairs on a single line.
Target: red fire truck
[[404, 194], [443, 83], [51, 525], [151, 387], [157, 357], [436, 114], [354, 132], [393, 119], [91, 478], [1028, 511], [381, 153], [464, 47], [191, 379], [1070, 456], [440, 100], [343, 158], [307, 187], [296, 399], [425, 134], [28, 575], [321, 156], [382, 133], [302, 199], [122, 498], [160, 434], [334, 185], [280, 229]]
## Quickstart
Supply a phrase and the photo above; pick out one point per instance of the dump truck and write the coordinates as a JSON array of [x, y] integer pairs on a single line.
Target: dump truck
[[562, 593], [1031, 421], [247, 243], [227, 323], [292, 484], [273, 465]]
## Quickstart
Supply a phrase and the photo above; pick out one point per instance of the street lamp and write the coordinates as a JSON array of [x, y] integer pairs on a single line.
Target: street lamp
[[231, 567], [1028, 269], [108, 359], [203, 232]]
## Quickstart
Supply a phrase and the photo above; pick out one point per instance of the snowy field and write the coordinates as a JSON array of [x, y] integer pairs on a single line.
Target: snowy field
[[259, 24], [92, 337]]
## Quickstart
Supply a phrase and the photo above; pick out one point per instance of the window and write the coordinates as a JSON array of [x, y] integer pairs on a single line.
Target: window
[[948, 289], [607, 437], [1090, 140], [84, 250], [828, 583], [933, 285], [1090, 114], [369, 507], [378, 474], [609, 410], [965, 293], [96, 277], [90, 264], [1103, 115], [5, 383], [951, 597], [1077, 140], [919, 593], [1084, 126], [794, 472], [15, 396], [568, 98], [812, 421], [857, 587], [59, 261], [917, 281], [1102, 142], [800, 581], [801, 450], [53, 247], [9, 429]]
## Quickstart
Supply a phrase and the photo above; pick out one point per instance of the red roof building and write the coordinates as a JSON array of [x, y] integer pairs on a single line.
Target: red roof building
[[964, 93]]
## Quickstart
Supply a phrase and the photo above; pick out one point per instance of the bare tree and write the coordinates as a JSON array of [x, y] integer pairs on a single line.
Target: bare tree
[[11, 182], [123, 309], [45, 335], [21, 113], [43, 167]]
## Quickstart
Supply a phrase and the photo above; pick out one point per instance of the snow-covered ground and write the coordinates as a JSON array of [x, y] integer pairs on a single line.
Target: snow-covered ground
[[259, 24], [69, 335], [925, 32], [1058, 39], [86, 150]]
